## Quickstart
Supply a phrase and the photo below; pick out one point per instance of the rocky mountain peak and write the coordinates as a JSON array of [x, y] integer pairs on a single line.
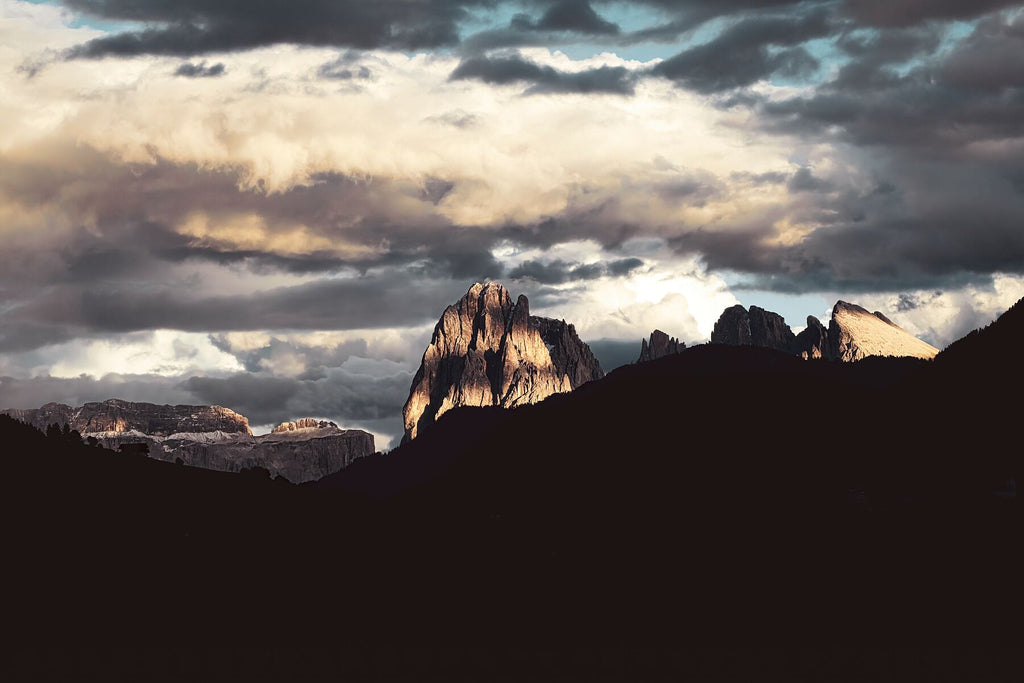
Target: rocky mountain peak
[[853, 333], [812, 342], [757, 327], [856, 333], [659, 345], [487, 350]]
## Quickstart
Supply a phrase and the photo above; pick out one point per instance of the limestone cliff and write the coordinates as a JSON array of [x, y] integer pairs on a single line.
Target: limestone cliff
[[212, 437], [115, 415], [853, 333], [487, 350], [756, 327], [298, 455]]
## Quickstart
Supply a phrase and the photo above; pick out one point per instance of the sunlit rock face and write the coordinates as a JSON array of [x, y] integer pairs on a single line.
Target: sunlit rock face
[[117, 416], [487, 350], [300, 425], [856, 333], [853, 333], [660, 345]]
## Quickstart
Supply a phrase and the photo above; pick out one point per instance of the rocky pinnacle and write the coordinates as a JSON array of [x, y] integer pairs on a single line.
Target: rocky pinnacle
[[487, 350]]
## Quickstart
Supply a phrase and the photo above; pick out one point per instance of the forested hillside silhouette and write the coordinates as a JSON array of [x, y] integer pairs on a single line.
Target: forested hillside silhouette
[[724, 494]]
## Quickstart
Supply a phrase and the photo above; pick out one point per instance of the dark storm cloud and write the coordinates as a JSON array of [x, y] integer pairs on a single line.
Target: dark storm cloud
[[879, 13], [969, 95], [941, 226], [575, 15], [544, 79], [32, 393], [342, 393], [133, 209], [436, 189], [200, 70], [910, 12], [804, 180], [129, 270], [330, 304], [990, 59], [191, 27], [691, 190], [912, 301], [873, 53], [624, 266], [559, 271], [314, 359], [741, 54], [685, 15]]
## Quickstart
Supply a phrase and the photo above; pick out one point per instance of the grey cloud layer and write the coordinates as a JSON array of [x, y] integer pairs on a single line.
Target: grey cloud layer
[[928, 190], [192, 27], [189, 27], [918, 224]]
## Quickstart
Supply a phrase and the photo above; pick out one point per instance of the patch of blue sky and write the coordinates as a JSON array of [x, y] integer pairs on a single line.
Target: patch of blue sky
[[630, 18], [793, 307], [76, 20]]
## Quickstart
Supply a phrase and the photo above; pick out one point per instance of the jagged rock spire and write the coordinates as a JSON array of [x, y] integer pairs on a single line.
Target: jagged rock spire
[[487, 350], [660, 345]]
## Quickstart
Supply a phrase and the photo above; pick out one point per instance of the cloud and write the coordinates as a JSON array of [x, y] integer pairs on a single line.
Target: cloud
[[345, 67], [193, 27], [740, 55], [347, 303], [456, 119], [34, 392], [200, 70], [558, 271], [990, 60], [575, 15], [804, 180], [545, 79], [910, 12]]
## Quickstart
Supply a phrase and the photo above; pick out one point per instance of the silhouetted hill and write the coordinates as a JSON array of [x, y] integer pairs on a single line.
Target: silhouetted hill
[[722, 495], [996, 344]]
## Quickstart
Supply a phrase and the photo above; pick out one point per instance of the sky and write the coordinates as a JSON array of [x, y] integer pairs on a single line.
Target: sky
[[268, 205]]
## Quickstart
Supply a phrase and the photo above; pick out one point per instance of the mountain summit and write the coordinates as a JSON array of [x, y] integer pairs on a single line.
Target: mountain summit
[[855, 333], [852, 334], [487, 350]]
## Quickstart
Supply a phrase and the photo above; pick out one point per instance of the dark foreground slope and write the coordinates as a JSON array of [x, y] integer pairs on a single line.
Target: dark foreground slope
[[722, 495]]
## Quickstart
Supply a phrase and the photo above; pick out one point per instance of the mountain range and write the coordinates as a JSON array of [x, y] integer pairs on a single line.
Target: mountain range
[[212, 437], [853, 333], [485, 350], [723, 494]]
